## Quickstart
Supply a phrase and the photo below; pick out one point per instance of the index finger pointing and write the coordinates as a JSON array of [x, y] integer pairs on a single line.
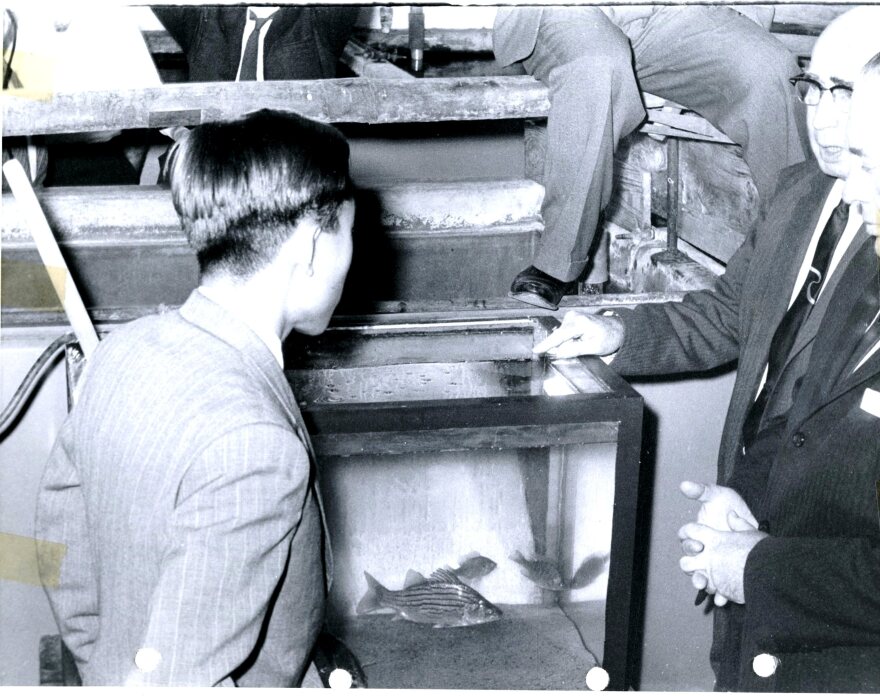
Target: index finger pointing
[[561, 335]]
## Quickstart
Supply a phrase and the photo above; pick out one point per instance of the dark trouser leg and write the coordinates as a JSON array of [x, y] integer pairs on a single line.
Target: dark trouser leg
[[586, 62], [733, 73]]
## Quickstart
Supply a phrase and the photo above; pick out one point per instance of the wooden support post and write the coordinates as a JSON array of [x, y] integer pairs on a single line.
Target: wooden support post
[[673, 189], [555, 511]]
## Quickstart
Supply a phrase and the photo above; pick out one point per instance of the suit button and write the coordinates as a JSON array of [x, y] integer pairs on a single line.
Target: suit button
[[798, 439]]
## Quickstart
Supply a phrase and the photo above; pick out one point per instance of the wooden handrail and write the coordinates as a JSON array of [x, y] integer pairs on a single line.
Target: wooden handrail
[[348, 100]]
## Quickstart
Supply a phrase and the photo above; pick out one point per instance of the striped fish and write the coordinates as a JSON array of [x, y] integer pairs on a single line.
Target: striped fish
[[441, 600]]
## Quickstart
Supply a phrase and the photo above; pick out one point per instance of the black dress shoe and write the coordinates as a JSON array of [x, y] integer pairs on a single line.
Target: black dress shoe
[[535, 287]]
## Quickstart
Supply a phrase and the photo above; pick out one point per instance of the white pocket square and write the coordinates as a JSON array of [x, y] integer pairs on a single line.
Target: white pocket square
[[871, 402]]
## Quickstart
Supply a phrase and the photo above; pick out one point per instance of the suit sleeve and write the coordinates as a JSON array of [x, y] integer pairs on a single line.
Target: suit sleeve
[[228, 543], [699, 333], [811, 592], [65, 554]]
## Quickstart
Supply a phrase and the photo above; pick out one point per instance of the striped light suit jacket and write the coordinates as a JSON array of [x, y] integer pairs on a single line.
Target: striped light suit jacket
[[183, 488]]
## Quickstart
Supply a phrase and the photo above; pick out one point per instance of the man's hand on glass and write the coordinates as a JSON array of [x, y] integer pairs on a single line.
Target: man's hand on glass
[[583, 334]]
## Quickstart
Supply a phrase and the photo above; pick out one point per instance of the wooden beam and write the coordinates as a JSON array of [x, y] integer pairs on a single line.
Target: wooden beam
[[160, 41], [440, 40], [687, 125], [44, 323], [144, 215], [804, 19], [351, 100]]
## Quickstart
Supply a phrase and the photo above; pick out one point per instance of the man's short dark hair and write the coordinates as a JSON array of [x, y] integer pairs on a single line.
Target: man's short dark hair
[[241, 187]]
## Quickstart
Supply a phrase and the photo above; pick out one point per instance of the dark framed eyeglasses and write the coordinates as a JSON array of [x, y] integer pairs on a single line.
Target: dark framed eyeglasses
[[810, 91]]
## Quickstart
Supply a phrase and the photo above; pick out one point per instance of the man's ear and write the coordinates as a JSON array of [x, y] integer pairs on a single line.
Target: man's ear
[[310, 270], [300, 248]]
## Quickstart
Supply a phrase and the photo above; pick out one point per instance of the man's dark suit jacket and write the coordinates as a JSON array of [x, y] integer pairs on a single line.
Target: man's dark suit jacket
[[302, 43], [812, 589]]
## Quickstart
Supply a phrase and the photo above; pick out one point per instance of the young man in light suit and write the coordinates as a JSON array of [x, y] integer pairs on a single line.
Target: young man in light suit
[[183, 482], [789, 543]]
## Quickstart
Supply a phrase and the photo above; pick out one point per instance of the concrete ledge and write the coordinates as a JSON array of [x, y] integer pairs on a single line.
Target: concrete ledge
[[144, 215], [125, 247]]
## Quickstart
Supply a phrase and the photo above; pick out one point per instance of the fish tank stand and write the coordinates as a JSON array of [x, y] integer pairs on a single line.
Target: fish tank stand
[[443, 437]]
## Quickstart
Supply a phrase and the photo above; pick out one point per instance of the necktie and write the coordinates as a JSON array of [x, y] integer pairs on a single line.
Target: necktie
[[786, 332], [249, 59]]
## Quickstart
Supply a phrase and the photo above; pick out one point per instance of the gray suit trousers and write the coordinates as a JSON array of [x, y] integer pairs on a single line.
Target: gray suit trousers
[[712, 60]]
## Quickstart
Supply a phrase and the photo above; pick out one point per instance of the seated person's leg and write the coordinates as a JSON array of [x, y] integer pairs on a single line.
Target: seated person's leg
[[732, 72], [594, 101]]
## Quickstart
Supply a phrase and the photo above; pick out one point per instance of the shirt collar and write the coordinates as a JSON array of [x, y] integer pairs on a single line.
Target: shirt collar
[[262, 11], [264, 333]]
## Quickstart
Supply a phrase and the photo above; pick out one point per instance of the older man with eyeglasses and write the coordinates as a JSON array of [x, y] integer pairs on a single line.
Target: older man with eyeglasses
[[789, 542], [863, 181]]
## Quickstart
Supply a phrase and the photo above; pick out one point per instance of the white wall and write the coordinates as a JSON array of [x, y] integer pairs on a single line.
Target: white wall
[[24, 610]]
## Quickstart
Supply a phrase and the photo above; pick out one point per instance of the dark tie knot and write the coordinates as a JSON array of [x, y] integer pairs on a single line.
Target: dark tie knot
[[841, 212], [258, 21]]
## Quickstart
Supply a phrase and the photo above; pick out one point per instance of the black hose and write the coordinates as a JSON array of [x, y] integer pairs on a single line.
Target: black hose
[[31, 379], [7, 68]]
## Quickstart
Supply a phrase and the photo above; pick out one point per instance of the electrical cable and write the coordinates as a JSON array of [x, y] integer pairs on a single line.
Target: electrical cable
[[31, 379], [7, 71]]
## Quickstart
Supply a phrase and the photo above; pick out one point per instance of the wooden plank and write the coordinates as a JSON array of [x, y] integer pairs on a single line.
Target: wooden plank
[[43, 321], [436, 39], [804, 19], [349, 100], [801, 46], [719, 200], [460, 439], [144, 215], [719, 241], [687, 125], [159, 41], [365, 61]]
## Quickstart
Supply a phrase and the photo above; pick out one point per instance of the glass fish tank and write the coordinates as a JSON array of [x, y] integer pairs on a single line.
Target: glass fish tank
[[481, 503]]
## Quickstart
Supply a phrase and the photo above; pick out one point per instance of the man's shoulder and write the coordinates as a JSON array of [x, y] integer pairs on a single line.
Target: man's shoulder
[[802, 176], [165, 364]]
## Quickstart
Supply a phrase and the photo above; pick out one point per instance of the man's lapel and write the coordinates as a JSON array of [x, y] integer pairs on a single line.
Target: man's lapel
[[828, 375], [799, 220], [817, 314]]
